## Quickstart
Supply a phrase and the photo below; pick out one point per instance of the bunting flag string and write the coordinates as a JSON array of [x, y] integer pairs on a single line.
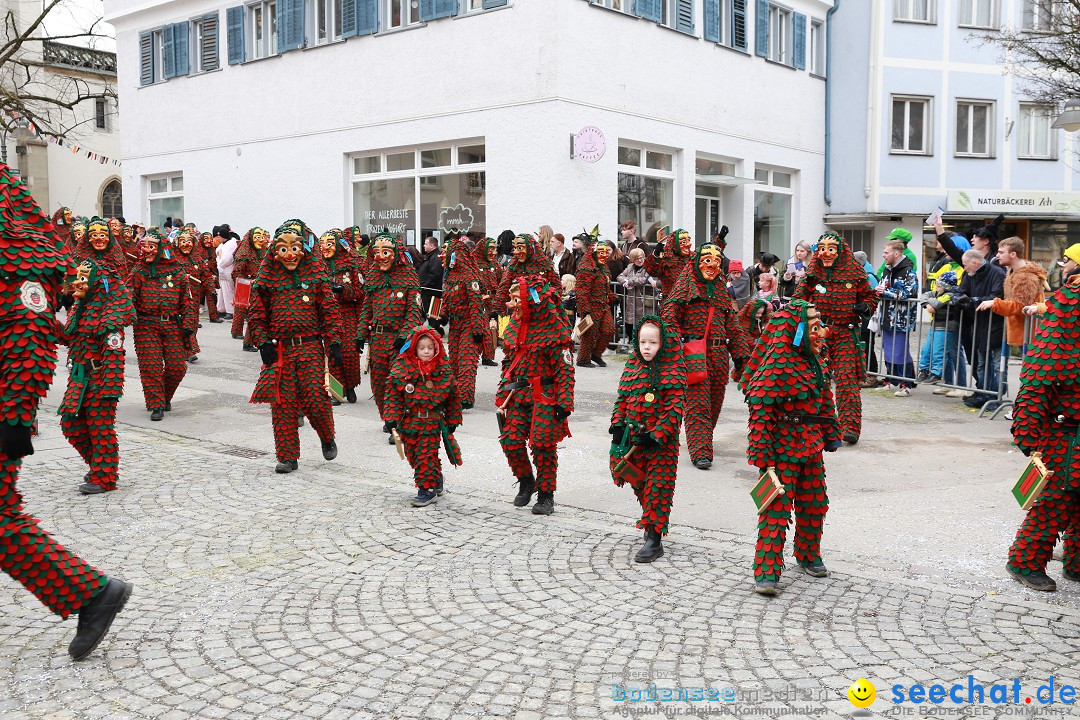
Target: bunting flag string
[[74, 147]]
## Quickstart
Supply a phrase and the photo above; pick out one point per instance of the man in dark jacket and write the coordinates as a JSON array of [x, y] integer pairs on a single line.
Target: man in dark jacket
[[430, 271], [981, 334], [764, 266]]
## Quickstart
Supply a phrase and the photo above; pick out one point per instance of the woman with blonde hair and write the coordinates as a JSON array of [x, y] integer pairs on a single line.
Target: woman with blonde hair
[[545, 235]]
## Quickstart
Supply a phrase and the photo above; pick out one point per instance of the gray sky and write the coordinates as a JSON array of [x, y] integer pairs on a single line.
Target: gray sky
[[72, 16]]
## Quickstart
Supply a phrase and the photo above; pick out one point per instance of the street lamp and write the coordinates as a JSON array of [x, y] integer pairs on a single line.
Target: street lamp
[[1069, 120]]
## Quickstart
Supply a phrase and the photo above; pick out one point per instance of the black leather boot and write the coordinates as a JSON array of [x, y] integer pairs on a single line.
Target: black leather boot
[[329, 450], [286, 467], [652, 549], [96, 616], [526, 486], [545, 503], [350, 395]]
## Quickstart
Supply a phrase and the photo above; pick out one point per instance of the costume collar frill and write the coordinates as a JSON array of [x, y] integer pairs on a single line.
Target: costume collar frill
[[693, 285], [779, 370], [107, 305], [401, 276], [460, 265], [1051, 355], [845, 269], [666, 371], [29, 244], [542, 323]]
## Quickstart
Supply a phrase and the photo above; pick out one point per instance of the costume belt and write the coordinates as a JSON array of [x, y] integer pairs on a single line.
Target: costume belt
[[526, 382], [1067, 423], [717, 343], [428, 415], [806, 419], [158, 318], [298, 340], [381, 329]]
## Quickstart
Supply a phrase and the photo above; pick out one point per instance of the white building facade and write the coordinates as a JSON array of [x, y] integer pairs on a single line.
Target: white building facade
[[434, 115], [922, 114]]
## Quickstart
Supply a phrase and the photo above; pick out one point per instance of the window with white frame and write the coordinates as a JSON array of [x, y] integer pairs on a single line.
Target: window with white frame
[[910, 126], [780, 34], [204, 34], [816, 48], [165, 197], [974, 128], [1038, 15], [922, 11], [1036, 139], [646, 189], [772, 211], [979, 13], [262, 19], [623, 6], [402, 13], [326, 20], [159, 54]]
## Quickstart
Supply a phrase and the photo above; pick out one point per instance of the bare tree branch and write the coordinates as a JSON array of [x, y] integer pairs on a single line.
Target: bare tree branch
[[1045, 51]]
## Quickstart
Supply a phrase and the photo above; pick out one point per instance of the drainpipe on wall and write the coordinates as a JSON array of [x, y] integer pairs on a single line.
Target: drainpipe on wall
[[828, 101]]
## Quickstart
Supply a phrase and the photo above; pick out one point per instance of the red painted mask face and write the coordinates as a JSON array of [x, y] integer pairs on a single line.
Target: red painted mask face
[[492, 252], [709, 265], [603, 252], [129, 232], [686, 244], [328, 245], [521, 250], [67, 217], [817, 332], [261, 239], [384, 254], [827, 251], [99, 237], [185, 244], [78, 233], [81, 285], [288, 249], [514, 307], [207, 241], [149, 248], [115, 226]]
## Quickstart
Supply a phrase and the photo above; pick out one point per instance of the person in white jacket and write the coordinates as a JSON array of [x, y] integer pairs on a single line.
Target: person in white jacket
[[225, 252]]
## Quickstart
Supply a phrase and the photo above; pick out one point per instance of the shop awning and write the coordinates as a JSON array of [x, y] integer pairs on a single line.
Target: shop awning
[[728, 180]]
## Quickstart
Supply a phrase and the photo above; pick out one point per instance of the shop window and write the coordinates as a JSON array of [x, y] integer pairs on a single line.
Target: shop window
[[1036, 139], [165, 198], [435, 158], [646, 187], [471, 154], [1047, 245], [910, 126], [922, 11], [367, 165], [396, 162], [772, 212]]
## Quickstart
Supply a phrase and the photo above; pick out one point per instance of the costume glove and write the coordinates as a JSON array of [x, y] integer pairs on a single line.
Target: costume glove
[[359, 347], [862, 309], [15, 440], [833, 445], [561, 413], [268, 351], [478, 338], [616, 430], [645, 440], [186, 333], [398, 344], [334, 351]]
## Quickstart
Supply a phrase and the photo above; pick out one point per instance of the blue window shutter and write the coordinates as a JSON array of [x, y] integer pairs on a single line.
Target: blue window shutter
[[761, 39], [488, 4], [684, 16], [348, 18], [146, 58], [712, 20], [367, 17], [290, 25], [180, 48], [738, 24], [427, 10], [648, 9], [800, 41], [168, 51], [234, 34]]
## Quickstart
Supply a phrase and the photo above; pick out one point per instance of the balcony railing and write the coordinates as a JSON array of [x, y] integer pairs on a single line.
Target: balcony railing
[[96, 61]]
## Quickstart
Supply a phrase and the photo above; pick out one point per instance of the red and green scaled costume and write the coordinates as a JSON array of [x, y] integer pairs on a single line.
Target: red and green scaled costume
[[531, 260], [536, 390], [296, 324], [687, 309], [63, 222], [33, 265], [491, 273], [390, 312], [199, 278], [792, 420], [647, 415], [594, 298], [1046, 419], [669, 265], [347, 282], [166, 315], [422, 402], [206, 254], [841, 294], [463, 306], [94, 334], [245, 267]]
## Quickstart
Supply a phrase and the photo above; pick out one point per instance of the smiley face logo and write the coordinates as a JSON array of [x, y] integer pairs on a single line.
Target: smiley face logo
[[862, 693]]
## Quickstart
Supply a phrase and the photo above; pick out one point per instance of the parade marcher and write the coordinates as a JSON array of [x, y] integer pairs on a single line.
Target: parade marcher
[[526, 259], [646, 417], [792, 420], [348, 285], [33, 265], [249, 255], [207, 254], [391, 310], [94, 334], [755, 315], [463, 306], [422, 403], [485, 254], [669, 258], [536, 390], [1046, 419], [62, 221], [129, 244], [199, 277], [594, 299], [700, 309], [837, 286], [296, 324], [166, 316]]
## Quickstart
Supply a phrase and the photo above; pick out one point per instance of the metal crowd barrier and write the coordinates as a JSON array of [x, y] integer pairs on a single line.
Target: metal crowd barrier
[[632, 303]]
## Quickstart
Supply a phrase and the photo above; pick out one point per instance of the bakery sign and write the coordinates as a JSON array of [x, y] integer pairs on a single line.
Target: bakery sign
[[1013, 202], [456, 219], [588, 144]]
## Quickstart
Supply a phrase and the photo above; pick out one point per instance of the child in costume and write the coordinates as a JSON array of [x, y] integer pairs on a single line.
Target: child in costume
[[296, 325], [485, 254], [250, 252], [645, 426], [792, 420], [166, 316], [592, 289], [536, 390], [348, 285], [94, 333], [1046, 419], [699, 308], [33, 265], [463, 306], [836, 284], [423, 405]]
